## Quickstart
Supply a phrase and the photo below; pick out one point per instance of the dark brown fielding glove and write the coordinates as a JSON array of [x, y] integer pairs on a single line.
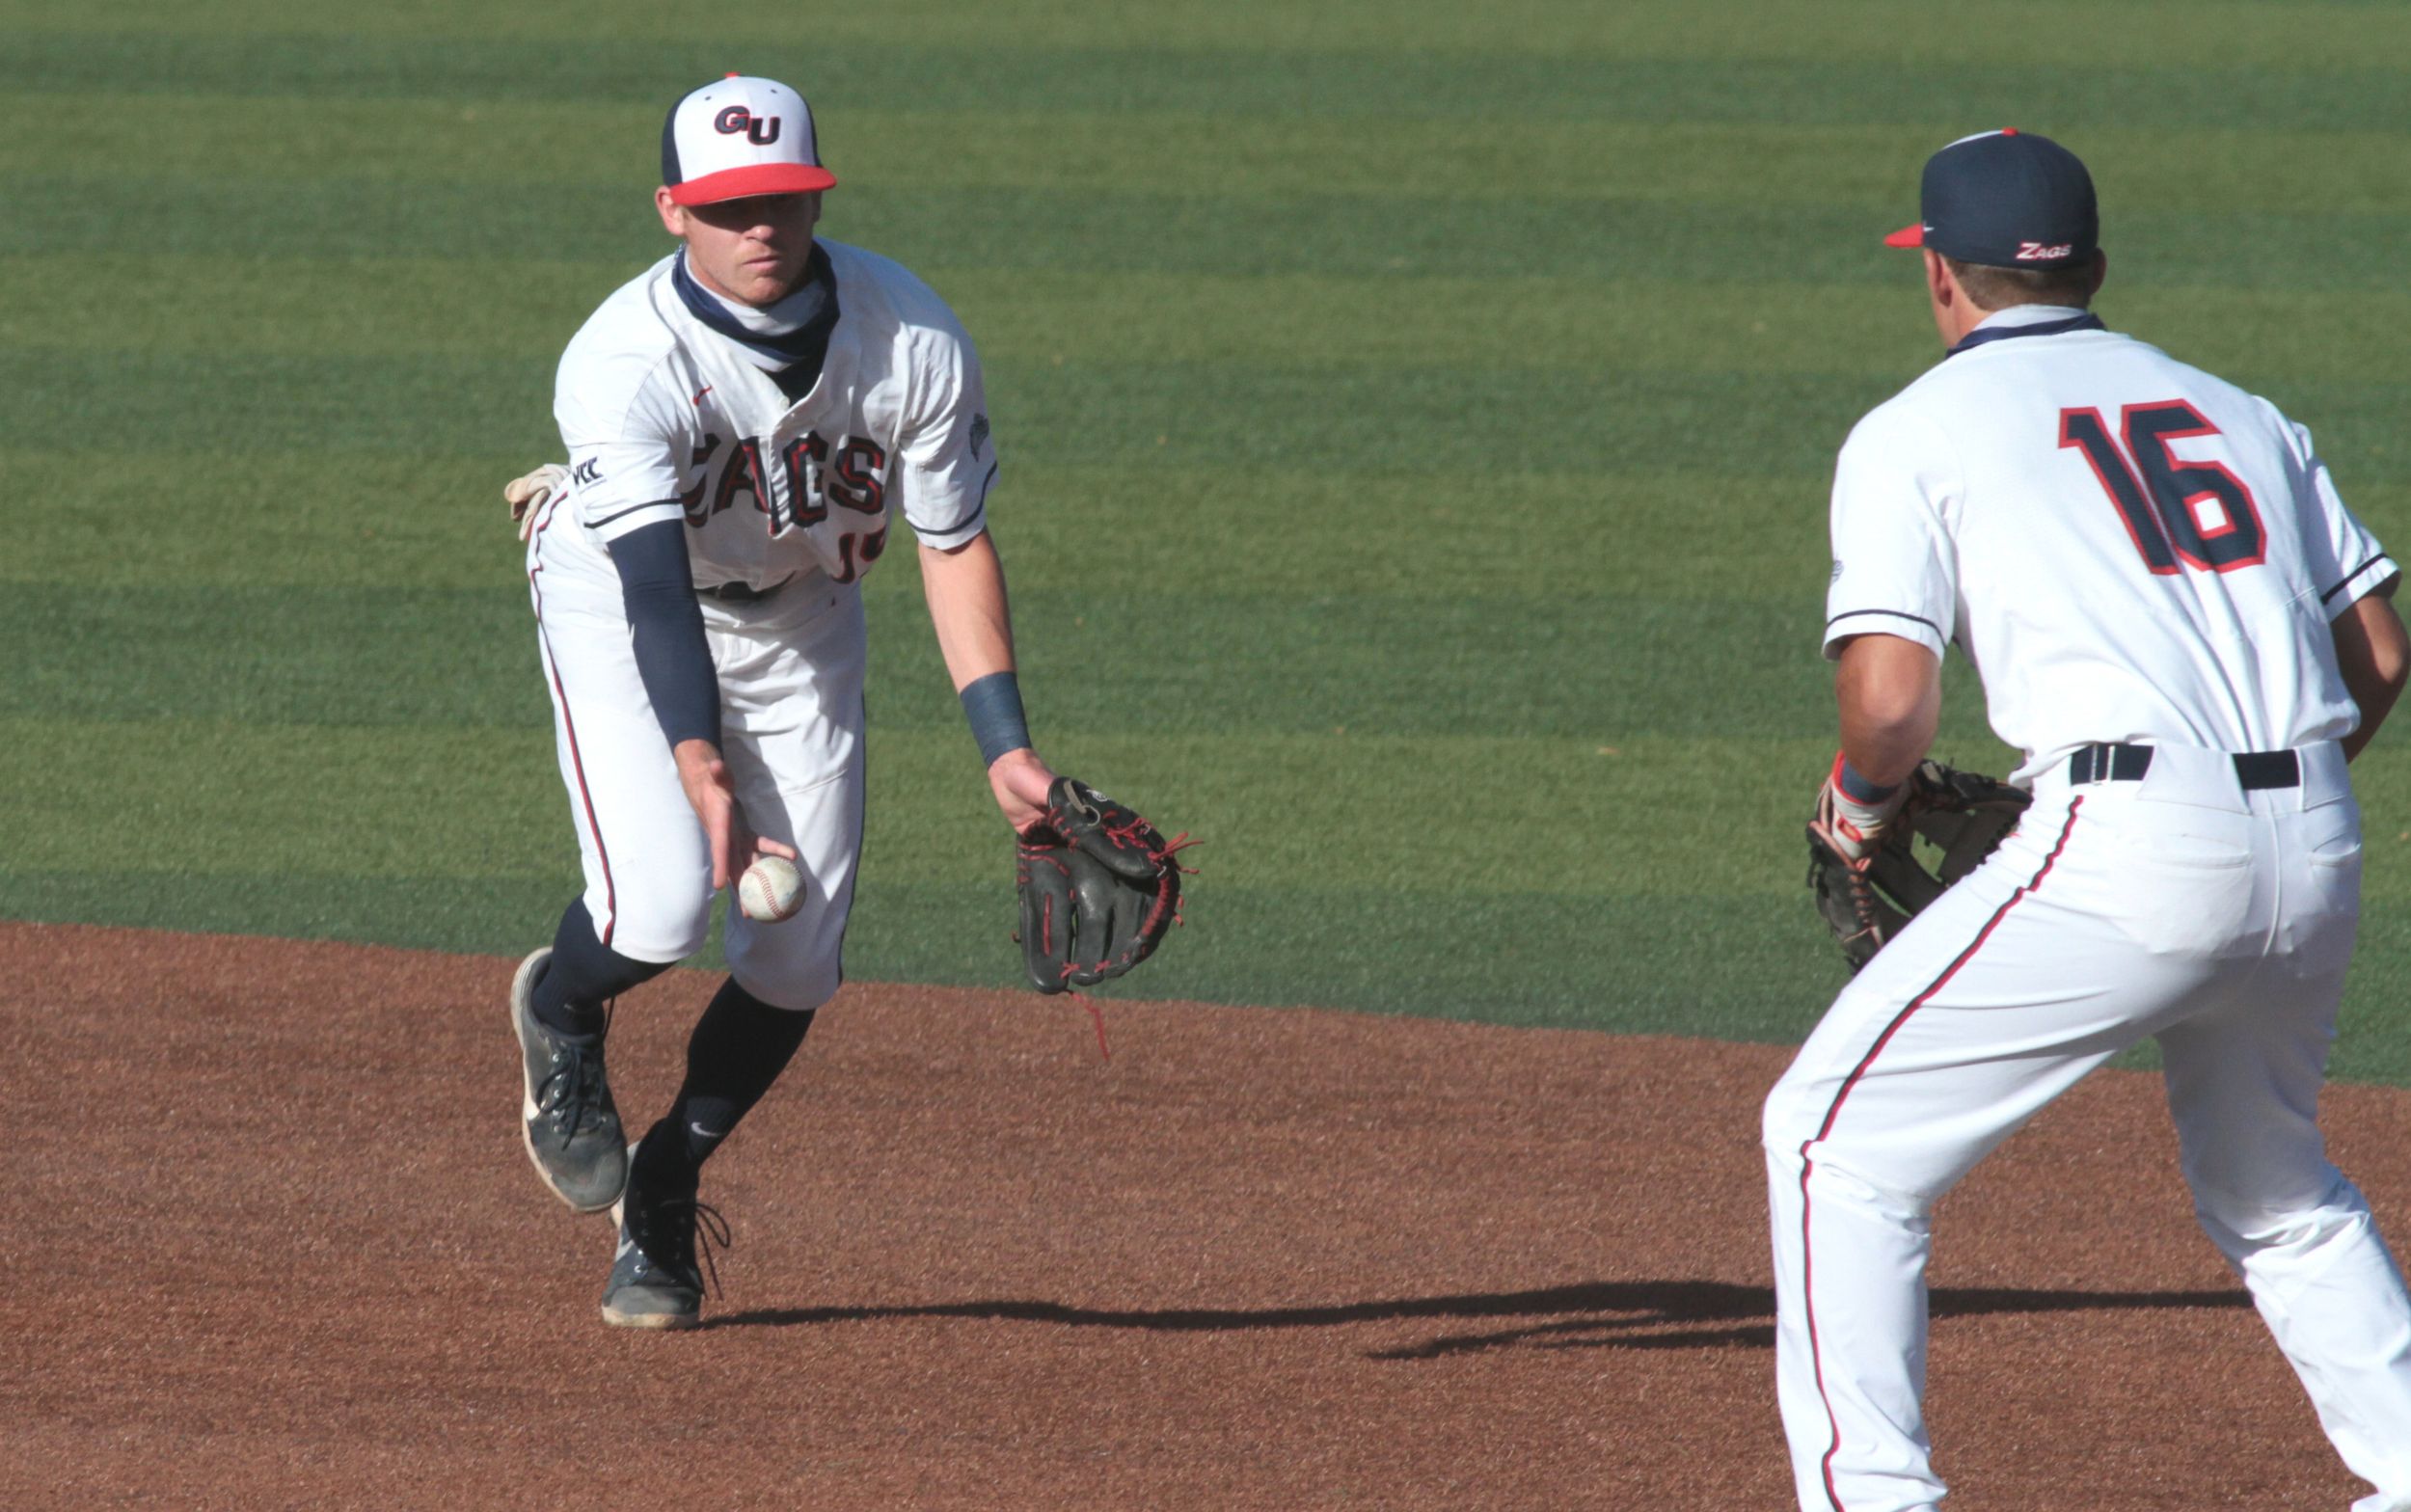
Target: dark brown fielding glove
[[1965, 815], [1098, 888]]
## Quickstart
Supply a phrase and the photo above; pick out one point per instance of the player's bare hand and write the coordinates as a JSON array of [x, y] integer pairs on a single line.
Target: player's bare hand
[[1021, 781], [527, 496], [714, 797], [747, 847]]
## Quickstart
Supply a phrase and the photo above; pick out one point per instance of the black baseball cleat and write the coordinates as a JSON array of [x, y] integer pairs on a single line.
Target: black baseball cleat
[[566, 1117], [656, 1281]]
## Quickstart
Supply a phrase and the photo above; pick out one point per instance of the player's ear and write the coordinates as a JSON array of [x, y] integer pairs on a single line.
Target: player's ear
[[1939, 281], [2100, 271], [673, 214]]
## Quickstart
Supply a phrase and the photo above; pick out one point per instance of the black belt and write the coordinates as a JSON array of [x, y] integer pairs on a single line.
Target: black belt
[[2254, 769], [744, 592]]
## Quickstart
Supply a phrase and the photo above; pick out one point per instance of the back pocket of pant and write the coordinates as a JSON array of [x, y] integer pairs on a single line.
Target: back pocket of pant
[[2187, 895]]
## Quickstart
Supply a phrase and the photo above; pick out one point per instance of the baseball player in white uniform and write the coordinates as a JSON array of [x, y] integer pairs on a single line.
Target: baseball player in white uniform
[[745, 421], [2188, 635]]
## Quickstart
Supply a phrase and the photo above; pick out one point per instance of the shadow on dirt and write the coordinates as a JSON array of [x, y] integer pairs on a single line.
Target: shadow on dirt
[[1641, 1314]]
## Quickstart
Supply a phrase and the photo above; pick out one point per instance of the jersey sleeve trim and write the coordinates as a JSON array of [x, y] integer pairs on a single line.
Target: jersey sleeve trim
[[959, 535], [622, 514], [2357, 583], [1927, 634], [635, 518], [970, 525]]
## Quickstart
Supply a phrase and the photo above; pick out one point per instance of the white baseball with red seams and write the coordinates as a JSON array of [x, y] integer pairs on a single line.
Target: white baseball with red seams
[[787, 503], [2127, 549], [771, 890]]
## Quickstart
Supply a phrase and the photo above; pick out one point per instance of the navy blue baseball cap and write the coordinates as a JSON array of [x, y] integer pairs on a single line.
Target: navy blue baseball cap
[[2007, 200]]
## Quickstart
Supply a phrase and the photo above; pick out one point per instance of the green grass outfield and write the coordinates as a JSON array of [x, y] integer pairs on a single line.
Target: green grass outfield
[[1417, 419]]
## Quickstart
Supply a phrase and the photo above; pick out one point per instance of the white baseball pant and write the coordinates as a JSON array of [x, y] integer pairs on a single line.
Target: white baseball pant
[[791, 671], [2178, 907]]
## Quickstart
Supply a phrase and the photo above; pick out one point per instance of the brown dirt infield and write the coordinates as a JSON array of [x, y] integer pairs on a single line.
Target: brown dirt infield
[[273, 1243]]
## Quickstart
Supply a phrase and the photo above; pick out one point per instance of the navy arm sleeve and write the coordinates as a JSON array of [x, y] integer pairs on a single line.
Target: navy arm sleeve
[[657, 585]]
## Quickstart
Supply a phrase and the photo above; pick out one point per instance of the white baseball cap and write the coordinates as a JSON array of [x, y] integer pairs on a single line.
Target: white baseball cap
[[740, 136]]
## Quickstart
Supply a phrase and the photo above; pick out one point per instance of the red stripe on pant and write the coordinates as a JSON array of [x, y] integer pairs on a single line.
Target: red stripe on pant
[[577, 765], [1849, 1083]]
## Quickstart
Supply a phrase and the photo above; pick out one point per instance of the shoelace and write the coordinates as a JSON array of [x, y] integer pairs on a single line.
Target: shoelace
[[569, 1090], [690, 1227]]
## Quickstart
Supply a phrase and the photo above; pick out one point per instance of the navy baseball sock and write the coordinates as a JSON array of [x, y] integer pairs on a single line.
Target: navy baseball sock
[[738, 1048], [583, 975]]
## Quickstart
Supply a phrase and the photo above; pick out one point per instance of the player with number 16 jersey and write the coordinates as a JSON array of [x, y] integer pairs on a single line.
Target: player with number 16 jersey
[[2187, 635]]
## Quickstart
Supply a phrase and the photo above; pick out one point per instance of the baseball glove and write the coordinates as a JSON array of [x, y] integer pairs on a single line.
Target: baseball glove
[[1964, 816], [1098, 887]]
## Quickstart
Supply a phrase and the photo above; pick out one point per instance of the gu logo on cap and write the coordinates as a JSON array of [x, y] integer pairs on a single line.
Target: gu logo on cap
[[736, 118], [740, 136]]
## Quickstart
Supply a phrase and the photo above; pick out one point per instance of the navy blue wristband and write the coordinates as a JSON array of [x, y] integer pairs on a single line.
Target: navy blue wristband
[[993, 706]]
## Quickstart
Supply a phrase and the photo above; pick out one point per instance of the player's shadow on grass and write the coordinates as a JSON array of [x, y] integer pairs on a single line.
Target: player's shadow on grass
[[1642, 1314]]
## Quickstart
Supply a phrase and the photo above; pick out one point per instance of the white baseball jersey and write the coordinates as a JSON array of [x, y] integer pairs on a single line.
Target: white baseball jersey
[[666, 419], [2125, 547]]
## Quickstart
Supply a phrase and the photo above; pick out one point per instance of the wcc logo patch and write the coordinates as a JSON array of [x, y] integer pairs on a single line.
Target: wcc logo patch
[[979, 433], [760, 130]]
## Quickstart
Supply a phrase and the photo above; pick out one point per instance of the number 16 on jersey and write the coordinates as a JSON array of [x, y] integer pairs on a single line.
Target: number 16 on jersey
[[2197, 513]]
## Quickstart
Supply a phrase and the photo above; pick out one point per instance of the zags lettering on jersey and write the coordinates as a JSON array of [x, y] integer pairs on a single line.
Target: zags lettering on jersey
[[692, 499], [742, 471], [2197, 513], [806, 503], [858, 485], [858, 482]]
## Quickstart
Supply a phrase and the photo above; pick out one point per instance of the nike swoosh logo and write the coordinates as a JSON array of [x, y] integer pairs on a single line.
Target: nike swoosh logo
[[701, 1132], [699, 393]]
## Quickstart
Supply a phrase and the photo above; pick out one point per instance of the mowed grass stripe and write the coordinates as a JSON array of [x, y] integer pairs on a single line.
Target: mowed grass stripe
[[390, 522], [437, 521], [1250, 418], [298, 141], [2076, 94], [394, 524], [98, 520], [1405, 233], [314, 306], [1601, 668], [2205, 34], [369, 801]]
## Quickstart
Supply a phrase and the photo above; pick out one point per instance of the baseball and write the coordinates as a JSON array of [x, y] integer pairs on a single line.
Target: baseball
[[771, 889]]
